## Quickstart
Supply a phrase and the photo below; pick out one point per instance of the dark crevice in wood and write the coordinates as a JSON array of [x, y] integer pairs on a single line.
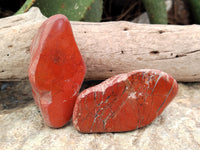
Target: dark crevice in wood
[[182, 55], [161, 31], [193, 51], [125, 29], [154, 52]]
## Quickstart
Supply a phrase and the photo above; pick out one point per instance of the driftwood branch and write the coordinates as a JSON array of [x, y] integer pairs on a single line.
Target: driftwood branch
[[108, 48]]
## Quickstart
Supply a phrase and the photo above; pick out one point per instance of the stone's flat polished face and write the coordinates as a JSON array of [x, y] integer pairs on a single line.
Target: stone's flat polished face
[[56, 70], [124, 102]]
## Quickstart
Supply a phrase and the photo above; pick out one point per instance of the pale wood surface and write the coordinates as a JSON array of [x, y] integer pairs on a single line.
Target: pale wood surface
[[107, 48]]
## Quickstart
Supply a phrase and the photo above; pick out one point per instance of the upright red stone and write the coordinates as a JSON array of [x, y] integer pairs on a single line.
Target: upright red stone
[[56, 70], [124, 102]]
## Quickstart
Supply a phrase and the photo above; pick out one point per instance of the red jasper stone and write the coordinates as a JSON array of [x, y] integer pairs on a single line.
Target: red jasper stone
[[124, 102], [56, 70]]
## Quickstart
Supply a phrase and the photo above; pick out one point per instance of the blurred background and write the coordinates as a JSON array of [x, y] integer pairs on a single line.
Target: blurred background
[[180, 12]]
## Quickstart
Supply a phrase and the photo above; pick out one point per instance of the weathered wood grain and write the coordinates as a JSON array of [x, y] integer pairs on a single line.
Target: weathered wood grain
[[108, 48]]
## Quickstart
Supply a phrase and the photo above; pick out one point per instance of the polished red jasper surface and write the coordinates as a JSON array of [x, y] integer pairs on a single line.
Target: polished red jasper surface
[[124, 102], [56, 70]]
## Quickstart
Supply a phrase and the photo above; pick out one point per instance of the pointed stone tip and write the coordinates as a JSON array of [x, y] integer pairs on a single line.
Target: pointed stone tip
[[59, 17]]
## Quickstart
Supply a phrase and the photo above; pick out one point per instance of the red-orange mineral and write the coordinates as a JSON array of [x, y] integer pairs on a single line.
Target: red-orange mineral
[[124, 102], [56, 70]]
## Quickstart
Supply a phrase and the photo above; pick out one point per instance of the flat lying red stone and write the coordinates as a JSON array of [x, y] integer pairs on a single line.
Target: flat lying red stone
[[56, 70], [124, 102]]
